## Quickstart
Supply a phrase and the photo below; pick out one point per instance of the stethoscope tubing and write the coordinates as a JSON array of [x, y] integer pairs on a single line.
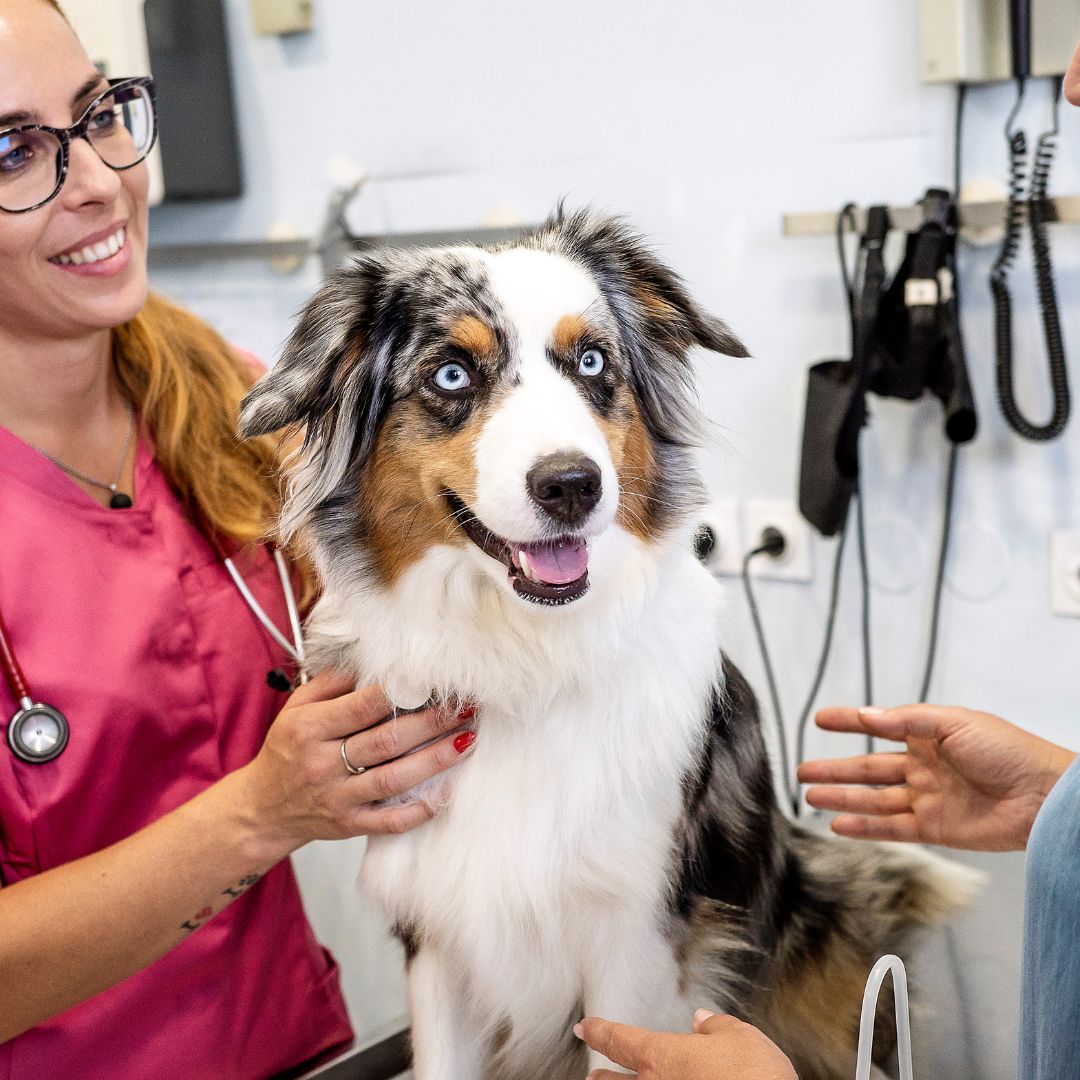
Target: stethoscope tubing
[[294, 649], [28, 711], [27, 707], [15, 678]]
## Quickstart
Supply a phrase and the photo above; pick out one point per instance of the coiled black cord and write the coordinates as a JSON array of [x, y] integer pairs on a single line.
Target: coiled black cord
[[1038, 214]]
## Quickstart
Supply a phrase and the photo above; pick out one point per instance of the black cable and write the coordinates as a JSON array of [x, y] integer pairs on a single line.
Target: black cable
[[953, 459], [962, 996], [946, 530], [864, 575], [958, 155], [774, 693], [1037, 214], [846, 220], [958, 138], [826, 647], [950, 476]]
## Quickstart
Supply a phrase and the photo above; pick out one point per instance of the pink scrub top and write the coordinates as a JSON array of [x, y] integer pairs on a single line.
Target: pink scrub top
[[127, 622]]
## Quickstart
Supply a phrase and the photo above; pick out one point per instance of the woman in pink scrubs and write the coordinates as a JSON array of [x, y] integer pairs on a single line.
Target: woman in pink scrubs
[[150, 924]]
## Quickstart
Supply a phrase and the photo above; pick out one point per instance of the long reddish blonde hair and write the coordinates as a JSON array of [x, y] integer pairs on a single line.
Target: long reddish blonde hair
[[186, 383]]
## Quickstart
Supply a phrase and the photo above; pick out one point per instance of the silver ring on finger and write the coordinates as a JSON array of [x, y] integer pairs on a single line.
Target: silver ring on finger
[[354, 770]]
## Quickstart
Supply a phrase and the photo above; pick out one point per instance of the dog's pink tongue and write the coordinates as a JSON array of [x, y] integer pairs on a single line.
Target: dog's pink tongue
[[558, 563]]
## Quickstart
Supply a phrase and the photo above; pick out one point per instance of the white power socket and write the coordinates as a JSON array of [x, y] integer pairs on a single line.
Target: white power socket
[[796, 562], [721, 517], [1065, 572]]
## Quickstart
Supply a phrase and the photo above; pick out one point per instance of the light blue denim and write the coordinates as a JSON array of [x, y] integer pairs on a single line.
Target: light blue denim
[[1050, 980]]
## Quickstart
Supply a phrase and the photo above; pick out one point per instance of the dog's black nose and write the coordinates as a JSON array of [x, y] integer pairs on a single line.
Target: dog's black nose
[[565, 486]]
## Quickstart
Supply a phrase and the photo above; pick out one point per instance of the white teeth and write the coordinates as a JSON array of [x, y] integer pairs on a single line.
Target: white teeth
[[103, 250], [526, 568]]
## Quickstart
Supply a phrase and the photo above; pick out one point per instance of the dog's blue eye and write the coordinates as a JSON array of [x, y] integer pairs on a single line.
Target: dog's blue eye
[[452, 377], [591, 362]]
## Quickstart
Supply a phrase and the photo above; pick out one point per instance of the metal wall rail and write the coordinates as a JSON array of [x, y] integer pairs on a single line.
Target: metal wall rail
[[972, 215], [290, 250], [334, 244]]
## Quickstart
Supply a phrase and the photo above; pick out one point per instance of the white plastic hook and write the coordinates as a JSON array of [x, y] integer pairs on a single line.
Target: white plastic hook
[[869, 1012]]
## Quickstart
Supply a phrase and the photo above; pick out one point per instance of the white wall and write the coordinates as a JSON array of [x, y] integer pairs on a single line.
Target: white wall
[[703, 122]]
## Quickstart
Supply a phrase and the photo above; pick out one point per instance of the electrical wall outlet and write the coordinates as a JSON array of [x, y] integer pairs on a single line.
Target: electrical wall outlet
[[796, 562], [1065, 572], [273, 17], [721, 519]]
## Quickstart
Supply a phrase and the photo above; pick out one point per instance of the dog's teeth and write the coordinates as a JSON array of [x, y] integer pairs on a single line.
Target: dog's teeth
[[526, 568]]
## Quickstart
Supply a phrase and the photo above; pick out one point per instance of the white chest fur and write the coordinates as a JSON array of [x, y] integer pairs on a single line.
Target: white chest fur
[[587, 721]]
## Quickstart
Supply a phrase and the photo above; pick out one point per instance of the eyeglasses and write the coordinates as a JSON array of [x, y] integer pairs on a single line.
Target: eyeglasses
[[121, 126]]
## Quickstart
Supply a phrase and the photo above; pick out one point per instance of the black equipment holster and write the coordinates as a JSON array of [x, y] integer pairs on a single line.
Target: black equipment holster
[[905, 340]]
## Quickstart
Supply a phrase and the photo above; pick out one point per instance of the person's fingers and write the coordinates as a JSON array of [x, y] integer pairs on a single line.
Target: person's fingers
[[862, 769], [900, 723], [860, 800], [396, 777], [607, 1074], [840, 719], [387, 820], [700, 1017], [334, 719], [896, 827], [325, 686], [709, 1023], [400, 735], [619, 1043], [1072, 80]]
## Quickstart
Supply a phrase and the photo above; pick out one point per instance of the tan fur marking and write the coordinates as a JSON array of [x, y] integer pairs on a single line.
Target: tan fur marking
[[813, 1014], [474, 336], [635, 464], [569, 330], [406, 476], [657, 306]]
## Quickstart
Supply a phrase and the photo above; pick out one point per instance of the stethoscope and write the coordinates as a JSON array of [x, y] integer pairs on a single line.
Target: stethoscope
[[39, 733]]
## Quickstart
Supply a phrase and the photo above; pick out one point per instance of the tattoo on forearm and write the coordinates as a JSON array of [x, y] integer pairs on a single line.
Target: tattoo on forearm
[[201, 918], [242, 885]]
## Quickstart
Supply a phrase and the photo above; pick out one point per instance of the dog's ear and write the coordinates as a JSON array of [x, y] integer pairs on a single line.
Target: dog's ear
[[328, 360], [630, 273], [658, 319], [333, 380]]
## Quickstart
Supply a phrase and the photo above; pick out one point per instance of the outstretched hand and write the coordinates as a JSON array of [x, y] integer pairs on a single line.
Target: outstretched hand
[[721, 1048], [966, 779]]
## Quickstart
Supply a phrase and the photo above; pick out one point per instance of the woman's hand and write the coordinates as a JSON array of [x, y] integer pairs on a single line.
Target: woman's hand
[[967, 779], [721, 1048], [298, 789]]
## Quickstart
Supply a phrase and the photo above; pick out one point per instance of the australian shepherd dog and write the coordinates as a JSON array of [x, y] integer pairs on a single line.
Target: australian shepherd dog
[[496, 485]]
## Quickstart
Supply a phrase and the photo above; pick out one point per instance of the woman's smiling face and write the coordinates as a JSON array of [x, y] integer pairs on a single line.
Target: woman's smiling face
[[47, 78]]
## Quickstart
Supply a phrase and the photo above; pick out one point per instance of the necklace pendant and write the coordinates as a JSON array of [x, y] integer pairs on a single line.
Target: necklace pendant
[[120, 501]]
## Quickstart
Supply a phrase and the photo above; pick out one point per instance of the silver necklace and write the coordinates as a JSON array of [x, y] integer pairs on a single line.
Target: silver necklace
[[119, 500]]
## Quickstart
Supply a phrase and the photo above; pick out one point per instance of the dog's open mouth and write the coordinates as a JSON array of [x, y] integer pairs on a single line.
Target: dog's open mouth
[[546, 572]]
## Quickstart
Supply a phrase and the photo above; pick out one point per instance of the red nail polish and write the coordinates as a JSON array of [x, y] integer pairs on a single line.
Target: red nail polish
[[464, 741], [467, 712]]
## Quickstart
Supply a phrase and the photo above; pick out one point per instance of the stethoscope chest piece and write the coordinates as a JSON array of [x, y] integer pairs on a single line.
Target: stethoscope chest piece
[[37, 733]]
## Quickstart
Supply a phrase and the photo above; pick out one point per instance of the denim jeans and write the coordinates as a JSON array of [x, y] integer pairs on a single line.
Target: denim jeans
[[1050, 980]]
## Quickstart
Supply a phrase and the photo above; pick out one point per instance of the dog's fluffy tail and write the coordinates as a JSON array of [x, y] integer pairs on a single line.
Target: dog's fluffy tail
[[852, 903]]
